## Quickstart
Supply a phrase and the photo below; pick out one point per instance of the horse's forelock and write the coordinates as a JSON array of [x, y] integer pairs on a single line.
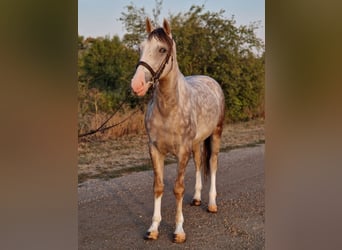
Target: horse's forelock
[[160, 35]]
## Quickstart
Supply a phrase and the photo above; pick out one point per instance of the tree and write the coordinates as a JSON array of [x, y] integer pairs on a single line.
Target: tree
[[210, 44], [134, 18], [108, 65]]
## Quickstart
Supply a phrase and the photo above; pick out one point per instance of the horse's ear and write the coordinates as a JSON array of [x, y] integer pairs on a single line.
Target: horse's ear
[[166, 27], [149, 26]]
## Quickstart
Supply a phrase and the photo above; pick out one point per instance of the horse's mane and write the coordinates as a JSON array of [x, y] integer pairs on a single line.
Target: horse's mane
[[160, 35]]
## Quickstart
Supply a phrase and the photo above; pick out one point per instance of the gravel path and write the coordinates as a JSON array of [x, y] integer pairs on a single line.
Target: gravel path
[[115, 214]]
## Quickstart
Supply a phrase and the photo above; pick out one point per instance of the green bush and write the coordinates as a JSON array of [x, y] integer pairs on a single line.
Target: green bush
[[207, 43]]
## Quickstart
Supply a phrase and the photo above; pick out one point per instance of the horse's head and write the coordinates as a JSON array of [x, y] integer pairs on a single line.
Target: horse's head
[[155, 58]]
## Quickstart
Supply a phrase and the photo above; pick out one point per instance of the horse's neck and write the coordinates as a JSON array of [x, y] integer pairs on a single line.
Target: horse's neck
[[167, 95]]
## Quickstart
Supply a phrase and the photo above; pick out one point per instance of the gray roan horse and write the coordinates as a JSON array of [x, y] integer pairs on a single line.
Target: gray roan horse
[[183, 114]]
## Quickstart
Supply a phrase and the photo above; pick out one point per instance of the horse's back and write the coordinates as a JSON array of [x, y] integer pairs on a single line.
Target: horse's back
[[205, 85]]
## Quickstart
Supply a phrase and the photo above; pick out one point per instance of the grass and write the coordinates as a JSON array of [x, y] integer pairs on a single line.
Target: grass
[[106, 175], [133, 125], [101, 158], [248, 145]]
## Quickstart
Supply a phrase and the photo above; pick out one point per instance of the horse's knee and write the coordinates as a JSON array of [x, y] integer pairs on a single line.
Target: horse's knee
[[178, 190], [213, 161], [158, 189]]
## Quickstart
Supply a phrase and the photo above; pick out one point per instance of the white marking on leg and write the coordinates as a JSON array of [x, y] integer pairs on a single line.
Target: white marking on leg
[[198, 186], [212, 191], [179, 219], [156, 215], [179, 223]]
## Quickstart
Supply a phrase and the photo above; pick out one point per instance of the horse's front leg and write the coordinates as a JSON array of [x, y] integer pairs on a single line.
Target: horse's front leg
[[179, 234], [158, 187]]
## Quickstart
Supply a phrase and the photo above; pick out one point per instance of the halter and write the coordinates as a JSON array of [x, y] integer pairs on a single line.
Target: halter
[[156, 74]]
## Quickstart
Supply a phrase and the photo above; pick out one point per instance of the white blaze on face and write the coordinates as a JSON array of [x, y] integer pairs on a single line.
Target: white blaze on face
[[138, 82]]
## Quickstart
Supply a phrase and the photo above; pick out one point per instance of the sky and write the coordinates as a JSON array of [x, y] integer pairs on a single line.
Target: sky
[[101, 17]]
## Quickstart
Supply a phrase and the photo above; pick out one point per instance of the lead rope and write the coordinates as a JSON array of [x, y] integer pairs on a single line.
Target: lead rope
[[153, 82], [102, 127]]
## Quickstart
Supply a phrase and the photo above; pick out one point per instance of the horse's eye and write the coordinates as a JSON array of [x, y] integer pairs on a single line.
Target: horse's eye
[[162, 50]]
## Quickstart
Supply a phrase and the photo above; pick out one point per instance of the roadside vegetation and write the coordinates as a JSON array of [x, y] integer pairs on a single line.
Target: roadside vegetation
[[207, 43]]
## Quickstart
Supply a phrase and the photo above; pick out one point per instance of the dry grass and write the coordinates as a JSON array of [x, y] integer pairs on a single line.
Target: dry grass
[[109, 156], [127, 122]]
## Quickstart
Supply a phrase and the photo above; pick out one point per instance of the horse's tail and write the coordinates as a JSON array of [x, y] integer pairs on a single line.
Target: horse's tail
[[206, 157]]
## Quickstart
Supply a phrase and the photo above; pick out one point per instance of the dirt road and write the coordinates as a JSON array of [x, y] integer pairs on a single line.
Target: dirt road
[[115, 214]]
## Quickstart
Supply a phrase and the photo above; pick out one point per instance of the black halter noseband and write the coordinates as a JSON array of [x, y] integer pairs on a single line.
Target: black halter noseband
[[156, 74]]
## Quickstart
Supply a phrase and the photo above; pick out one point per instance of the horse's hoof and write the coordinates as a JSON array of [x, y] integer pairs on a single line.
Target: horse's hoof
[[212, 209], [195, 202], [151, 235], [179, 238]]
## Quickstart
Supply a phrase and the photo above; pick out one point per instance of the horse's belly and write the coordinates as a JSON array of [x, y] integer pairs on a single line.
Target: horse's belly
[[202, 133], [206, 121]]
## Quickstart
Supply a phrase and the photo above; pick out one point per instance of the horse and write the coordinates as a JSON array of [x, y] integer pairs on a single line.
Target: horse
[[184, 116]]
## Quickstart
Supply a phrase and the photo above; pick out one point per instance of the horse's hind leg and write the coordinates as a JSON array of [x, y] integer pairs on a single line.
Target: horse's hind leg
[[215, 148], [196, 201]]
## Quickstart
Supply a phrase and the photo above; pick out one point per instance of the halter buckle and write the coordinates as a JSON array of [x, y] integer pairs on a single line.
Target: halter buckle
[[154, 82]]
